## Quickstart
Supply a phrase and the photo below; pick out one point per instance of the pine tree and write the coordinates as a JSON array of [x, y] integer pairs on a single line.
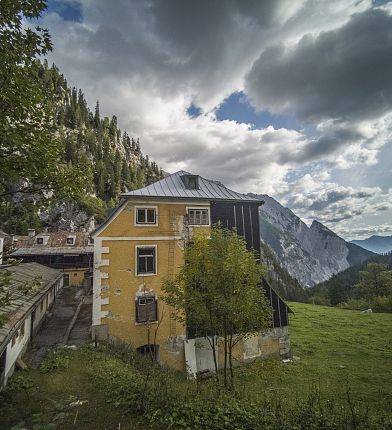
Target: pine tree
[[97, 117]]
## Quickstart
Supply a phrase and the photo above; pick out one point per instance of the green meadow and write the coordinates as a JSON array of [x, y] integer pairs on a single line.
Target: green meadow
[[340, 377]]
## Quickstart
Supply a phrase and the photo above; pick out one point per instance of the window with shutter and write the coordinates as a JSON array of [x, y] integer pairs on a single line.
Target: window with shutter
[[146, 309]]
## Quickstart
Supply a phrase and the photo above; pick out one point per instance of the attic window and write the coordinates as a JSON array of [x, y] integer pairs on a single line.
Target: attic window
[[70, 240], [191, 182], [40, 241]]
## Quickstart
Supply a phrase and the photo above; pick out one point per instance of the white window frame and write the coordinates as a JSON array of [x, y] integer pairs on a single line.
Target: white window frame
[[44, 238], [146, 224], [73, 240], [188, 208], [139, 275]]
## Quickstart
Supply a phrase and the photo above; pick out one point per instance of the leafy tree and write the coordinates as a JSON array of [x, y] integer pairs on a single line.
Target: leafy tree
[[217, 293], [30, 156], [375, 281]]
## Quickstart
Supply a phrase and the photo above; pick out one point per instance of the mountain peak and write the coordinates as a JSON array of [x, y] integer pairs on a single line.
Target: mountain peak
[[317, 225]]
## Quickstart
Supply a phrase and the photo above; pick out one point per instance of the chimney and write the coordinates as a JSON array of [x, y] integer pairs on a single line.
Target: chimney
[[31, 232], [1, 249]]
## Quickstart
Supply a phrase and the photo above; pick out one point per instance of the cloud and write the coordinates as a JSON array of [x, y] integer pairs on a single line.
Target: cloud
[[316, 197], [343, 73], [147, 62], [366, 231]]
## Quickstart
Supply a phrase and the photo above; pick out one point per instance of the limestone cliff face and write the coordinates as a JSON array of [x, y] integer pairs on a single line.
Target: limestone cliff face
[[310, 254]]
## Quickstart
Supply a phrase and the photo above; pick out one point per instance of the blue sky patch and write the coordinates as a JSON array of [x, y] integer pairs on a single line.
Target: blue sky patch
[[193, 111], [236, 107], [69, 10]]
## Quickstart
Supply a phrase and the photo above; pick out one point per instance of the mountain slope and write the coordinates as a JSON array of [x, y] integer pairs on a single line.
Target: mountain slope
[[378, 244], [111, 160], [309, 254]]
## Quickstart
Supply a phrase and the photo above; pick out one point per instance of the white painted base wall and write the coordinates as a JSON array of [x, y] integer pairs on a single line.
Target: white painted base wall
[[15, 351], [199, 356]]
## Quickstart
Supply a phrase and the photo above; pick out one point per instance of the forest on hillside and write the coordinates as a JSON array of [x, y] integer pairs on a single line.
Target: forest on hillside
[[110, 161], [365, 285]]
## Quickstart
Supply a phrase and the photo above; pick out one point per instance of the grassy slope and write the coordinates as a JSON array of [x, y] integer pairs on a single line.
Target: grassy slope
[[337, 349]]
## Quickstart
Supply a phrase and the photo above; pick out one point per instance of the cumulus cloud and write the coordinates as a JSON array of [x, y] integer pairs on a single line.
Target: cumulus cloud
[[316, 197], [339, 74], [148, 61]]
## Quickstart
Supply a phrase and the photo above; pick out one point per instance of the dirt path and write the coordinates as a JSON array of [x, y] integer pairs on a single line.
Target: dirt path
[[57, 321]]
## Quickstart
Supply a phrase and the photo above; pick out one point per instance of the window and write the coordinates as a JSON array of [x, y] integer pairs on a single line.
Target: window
[[42, 305], [198, 217], [14, 337], [191, 182], [146, 260], [70, 240], [146, 216], [40, 240], [22, 329], [146, 309]]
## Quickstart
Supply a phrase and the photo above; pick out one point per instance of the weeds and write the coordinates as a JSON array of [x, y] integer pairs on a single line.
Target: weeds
[[56, 360]]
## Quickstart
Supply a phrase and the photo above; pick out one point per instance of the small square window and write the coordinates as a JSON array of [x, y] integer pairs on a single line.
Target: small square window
[[70, 240], [39, 241], [146, 309], [146, 216], [198, 217], [146, 261]]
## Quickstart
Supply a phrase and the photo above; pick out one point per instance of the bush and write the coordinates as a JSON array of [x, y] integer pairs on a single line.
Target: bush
[[165, 400], [382, 304], [355, 304], [320, 300], [57, 359]]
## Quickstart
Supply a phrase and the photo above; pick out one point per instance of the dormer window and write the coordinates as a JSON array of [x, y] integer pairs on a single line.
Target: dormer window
[[39, 240], [70, 240], [191, 182]]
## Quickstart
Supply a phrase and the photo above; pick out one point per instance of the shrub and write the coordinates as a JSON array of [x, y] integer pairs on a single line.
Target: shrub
[[382, 304], [57, 359], [320, 300], [355, 304]]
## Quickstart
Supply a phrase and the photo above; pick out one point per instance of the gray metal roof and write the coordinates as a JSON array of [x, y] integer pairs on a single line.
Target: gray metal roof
[[173, 187], [23, 302]]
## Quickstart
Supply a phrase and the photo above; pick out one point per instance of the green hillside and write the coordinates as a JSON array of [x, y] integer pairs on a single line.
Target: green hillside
[[338, 350], [340, 379], [109, 159]]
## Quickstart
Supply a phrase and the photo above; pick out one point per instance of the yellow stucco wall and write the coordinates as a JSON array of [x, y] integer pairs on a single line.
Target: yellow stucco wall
[[121, 283], [76, 276]]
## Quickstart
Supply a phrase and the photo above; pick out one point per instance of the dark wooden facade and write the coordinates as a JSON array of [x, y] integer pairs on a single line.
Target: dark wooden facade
[[243, 216]]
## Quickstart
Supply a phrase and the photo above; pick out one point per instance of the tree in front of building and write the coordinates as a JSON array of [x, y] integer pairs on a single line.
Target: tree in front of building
[[217, 293]]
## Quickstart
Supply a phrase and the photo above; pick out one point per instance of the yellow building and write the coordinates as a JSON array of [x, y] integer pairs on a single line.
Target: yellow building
[[142, 244], [72, 252]]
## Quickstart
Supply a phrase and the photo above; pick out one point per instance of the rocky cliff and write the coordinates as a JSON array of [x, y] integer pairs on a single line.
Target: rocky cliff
[[310, 254]]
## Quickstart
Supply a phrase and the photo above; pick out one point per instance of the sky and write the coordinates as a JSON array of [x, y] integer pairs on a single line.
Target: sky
[[281, 97]]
